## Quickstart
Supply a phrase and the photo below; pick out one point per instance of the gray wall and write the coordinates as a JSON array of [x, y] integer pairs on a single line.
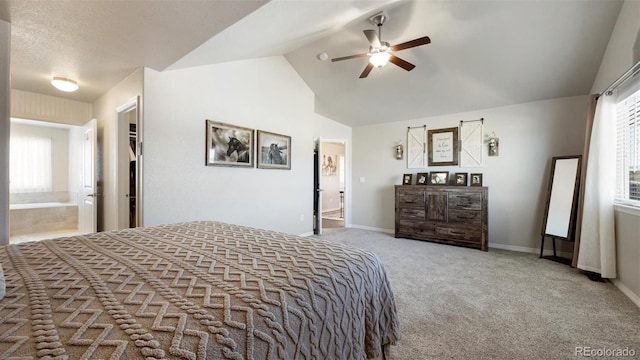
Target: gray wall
[[265, 94], [530, 135], [619, 57]]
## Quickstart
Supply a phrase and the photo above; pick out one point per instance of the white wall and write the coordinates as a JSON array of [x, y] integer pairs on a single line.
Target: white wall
[[619, 55], [617, 59], [34, 106], [264, 94], [104, 110], [530, 135]]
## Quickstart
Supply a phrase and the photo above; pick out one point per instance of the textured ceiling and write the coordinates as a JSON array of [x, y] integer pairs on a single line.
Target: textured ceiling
[[483, 53], [99, 43]]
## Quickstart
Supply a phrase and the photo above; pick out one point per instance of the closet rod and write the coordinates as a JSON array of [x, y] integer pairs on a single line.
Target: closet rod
[[624, 77]]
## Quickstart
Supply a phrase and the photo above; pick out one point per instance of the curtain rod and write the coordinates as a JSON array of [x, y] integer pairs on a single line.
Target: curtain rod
[[619, 81]]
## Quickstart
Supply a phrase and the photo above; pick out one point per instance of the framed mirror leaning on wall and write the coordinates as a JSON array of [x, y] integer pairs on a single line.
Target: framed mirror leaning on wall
[[560, 212]]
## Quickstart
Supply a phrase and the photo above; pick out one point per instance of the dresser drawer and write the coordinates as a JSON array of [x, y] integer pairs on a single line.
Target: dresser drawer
[[467, 217], [413, 198], [416, 231], [411, 214], [465, 200], [459, 234]]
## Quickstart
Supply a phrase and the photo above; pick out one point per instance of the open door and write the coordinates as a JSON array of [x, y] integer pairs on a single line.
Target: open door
[[128, 165], [88, 210], [317, 188]]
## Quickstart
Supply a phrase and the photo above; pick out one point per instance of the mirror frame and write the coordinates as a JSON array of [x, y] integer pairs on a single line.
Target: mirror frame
[[574, 205]]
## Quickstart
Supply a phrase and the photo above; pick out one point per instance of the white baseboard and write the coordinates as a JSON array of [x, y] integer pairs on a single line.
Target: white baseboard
[[625, 290], [525, 249], [307, 234]]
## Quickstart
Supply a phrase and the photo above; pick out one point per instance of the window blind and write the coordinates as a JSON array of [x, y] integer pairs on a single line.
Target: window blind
[[628, 148], [30, 164]]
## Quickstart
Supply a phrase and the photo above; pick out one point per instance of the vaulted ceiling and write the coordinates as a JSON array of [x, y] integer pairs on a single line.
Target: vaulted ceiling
[[482, 54]]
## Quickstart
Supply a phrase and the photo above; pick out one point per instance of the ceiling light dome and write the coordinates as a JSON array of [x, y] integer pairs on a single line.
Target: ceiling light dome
[[64, 84], [379, 59]]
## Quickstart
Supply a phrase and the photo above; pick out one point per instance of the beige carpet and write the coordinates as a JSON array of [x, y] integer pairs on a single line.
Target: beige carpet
[[458, 303]]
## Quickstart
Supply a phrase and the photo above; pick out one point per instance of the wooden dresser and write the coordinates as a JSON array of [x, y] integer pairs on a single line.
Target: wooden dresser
[[446, 214]]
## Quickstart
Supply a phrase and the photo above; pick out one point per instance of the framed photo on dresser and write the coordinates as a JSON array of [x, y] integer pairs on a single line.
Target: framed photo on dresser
[[476, 179], [406, 179]]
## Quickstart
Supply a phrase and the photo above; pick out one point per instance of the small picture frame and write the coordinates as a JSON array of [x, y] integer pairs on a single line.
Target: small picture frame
[[406, 179], [274, 150], [461, 179], [422, 179], [476, 179], [439, 178]]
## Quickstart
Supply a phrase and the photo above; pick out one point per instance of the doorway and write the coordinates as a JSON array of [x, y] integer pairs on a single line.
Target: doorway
[[129, 157], [330, 189], [47, 167]]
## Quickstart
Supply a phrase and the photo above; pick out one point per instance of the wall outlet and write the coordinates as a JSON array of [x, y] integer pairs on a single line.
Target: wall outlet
[[362, 179], [301, 217]]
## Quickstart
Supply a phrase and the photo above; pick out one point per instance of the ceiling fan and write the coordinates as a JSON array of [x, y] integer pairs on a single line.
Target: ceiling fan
[[380, 52]]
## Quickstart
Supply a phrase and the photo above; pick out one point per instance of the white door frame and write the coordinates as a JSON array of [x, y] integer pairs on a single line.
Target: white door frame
[[121, 156], [347, 179]]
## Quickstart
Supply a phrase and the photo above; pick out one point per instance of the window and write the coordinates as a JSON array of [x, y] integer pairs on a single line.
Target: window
[[628, 149], [30, 167]]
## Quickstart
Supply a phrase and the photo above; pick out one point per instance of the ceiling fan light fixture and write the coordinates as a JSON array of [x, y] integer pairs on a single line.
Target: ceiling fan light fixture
[[64, 84], [379, 59]]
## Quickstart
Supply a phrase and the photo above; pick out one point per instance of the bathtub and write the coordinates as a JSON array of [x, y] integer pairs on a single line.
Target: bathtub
[[35, 218]]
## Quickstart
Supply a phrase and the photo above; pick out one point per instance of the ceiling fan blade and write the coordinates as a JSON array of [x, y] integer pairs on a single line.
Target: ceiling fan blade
[[413, 43], [366, 71], [349, 57], [403, 64], [373, 38]]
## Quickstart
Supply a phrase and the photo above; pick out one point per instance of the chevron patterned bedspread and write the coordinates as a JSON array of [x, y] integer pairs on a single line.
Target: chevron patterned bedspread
[[195, 290]]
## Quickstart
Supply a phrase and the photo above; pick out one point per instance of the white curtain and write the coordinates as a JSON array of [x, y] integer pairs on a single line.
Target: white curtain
[[30, 164], [597, 243]]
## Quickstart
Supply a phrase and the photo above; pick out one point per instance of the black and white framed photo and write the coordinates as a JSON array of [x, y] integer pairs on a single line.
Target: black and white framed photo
[[274, 151], [461, 179], [422, 179], [228, 145], [406, 179], [439, 177], [476, 179]]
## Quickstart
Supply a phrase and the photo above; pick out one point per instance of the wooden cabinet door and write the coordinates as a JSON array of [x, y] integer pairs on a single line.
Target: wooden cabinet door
[[436, 202]]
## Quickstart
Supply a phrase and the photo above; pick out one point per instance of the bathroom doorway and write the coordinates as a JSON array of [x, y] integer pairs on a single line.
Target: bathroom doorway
[[46, 179]]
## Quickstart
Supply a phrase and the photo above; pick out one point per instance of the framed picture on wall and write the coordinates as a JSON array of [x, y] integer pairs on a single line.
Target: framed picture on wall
[[274, 151], [228, 145], [442, 146]]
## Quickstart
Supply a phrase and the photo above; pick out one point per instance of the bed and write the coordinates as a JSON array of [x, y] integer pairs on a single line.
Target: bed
[[194, 290]]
